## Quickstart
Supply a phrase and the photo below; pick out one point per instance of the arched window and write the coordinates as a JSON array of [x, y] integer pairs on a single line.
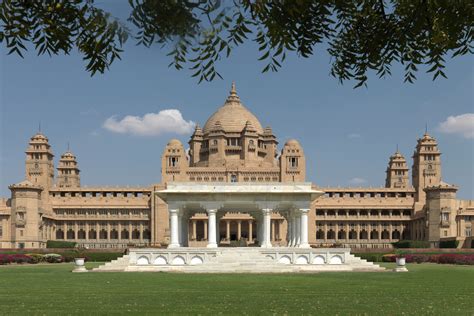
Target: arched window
[[59, 234], [124, 234], [374, 234], [341, 234], [92, 234], [320, 234], [113, 234], [81, 234], [103, 234], [331, 234], [71, 234], [135, 234]]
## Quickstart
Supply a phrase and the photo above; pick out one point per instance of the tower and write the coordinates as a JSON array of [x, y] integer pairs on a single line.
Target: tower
[[426, 170], [68, 171], [174, 163], [39, 165], [292, 162], [397, 172]]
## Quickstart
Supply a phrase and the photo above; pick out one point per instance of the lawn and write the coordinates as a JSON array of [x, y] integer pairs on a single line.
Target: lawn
[[53, 289]]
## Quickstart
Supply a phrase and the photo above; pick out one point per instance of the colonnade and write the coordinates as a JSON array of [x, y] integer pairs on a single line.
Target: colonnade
[[297, 228]]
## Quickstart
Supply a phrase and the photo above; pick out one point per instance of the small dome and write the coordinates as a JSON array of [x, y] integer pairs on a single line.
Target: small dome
[[292, 142], [232, 116], [174, 142], [39, 137]]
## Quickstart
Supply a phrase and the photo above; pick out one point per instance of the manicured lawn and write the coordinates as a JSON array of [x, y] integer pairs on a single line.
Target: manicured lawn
[[53, 289]]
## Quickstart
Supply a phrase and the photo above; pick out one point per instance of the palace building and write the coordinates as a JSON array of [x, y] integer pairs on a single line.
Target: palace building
[[232, 185]]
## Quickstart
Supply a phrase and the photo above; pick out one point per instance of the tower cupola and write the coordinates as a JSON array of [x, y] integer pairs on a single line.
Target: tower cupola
[[397, 172], [68, 171]]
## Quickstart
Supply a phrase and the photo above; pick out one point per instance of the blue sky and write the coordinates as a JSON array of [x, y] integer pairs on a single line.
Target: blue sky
[[347, 135]]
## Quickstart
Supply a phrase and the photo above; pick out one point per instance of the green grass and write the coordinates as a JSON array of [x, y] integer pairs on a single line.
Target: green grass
[[53, 289]]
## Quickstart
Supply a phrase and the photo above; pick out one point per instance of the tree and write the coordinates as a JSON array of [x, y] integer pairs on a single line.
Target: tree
[[360, 36]]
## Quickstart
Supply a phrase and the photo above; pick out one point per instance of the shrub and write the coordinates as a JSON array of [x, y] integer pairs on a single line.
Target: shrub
[[373, 257], [389, 257], [103, 256], [15, 258], [53, 258], [411, 244], [60, 244], [448, 244], [448, 258], [36, 257]]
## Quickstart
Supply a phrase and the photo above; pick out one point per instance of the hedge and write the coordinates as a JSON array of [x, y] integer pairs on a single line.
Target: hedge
[[411, 244], [448, 244], [372, 257], [447, 258], [60, 244]]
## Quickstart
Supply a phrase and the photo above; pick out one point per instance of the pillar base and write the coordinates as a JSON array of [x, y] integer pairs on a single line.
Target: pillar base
[[211, 246], [174, 245], [269, 245], [304, 246]]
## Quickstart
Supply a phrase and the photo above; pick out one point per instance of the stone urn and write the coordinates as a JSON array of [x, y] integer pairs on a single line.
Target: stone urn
[[79, 265], [401, 262]]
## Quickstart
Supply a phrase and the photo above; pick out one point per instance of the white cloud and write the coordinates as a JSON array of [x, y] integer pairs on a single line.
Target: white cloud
[[357, 181], [353, 135], [462, 124], [150, 124]]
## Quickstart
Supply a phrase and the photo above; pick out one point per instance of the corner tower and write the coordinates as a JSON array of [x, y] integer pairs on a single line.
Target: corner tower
[[68, 171], [39, 165], [426, 170], [397, 172]]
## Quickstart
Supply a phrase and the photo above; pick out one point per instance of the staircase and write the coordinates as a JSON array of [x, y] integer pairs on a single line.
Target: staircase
[[238, 260]]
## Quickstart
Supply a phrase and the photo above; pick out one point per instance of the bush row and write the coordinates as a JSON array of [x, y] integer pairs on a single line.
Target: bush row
[[30, 258], [447, 258], [58, 257], [411, 244], [60, 244]]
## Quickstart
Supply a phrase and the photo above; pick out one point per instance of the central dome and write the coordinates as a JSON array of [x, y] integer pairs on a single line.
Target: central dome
[[232, 116]]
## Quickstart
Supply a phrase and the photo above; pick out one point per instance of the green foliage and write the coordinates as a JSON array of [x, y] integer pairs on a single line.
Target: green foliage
[[60, 244], [103, 256], [448, 244], [372, 257], [360, 36], [411, 244]]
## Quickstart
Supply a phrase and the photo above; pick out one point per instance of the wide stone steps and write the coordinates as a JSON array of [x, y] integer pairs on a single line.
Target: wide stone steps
[[244, 260]]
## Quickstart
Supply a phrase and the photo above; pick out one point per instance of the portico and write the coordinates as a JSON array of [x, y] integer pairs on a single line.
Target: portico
[[291, 201]]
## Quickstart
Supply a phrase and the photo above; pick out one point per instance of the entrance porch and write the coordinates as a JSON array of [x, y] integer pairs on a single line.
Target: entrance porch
[[252, 213]]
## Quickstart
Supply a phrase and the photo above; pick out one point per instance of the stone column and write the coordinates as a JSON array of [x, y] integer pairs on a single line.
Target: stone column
[[250, 230], [194, 230], [289, 231], [304, 228], [227, 229], [266, 243], [298, 230], [97, 229], [174, 233], [212, 243], [239, 229], [273, 230], [180, 229], [87, 231], [205, 230], [119, 231], [141, 232]]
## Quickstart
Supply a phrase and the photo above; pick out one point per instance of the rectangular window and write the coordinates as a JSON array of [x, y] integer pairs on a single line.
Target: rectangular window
[[293, 162], [468, 231], [1, 231], [445, 216]]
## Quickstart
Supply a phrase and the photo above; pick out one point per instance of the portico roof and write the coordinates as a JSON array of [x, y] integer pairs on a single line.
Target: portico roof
[[273, 195]]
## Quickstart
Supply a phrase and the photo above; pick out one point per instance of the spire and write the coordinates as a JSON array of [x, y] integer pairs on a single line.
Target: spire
[[39, 127], [68, 146], [426, 128], [233, 97], [397, 149]]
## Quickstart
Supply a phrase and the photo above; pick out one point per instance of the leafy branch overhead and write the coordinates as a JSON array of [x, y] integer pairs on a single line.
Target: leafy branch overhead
[[359, 36]]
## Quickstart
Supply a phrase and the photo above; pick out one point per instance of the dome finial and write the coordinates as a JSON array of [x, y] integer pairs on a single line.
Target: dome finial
[[233, 97]]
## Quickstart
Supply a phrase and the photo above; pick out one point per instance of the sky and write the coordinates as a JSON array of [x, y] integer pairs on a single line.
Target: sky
[[118, 123]]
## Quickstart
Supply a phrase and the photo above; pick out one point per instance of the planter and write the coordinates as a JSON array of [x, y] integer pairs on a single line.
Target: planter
[[401, 261], [79, 265]]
